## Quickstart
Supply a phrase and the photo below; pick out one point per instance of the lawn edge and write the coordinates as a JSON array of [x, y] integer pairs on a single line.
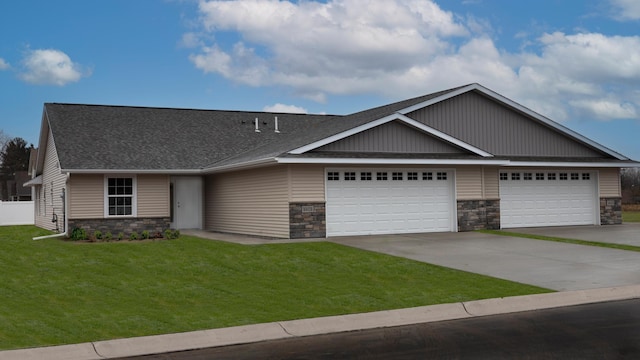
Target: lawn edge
[[167, 343], [563, 240]]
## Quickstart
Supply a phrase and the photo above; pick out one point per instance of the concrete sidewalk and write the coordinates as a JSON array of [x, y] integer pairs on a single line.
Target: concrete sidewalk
[[111, 349]]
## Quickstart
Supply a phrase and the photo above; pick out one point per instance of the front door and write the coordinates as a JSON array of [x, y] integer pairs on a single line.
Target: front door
[[187, 193]]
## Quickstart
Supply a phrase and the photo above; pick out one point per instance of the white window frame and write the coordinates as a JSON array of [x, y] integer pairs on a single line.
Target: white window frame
[[134, 195]]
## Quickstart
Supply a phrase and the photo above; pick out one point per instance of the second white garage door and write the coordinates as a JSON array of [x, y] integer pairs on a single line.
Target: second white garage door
[[388, 201], [548, 198]]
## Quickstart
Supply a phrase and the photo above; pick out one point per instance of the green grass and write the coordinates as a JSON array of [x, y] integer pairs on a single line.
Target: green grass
[[630, 216], [563, 240], [57, 292]]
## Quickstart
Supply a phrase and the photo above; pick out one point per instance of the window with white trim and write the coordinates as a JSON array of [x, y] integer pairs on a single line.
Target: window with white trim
[[586, 176], [527, 176], [412, 176], [427, 176], [504, 176], [551, 176], [441, 176], [365, 176], [515, 176], [564, 176], [381, 176], [350, 176], [120, 196], [396, 176], [539, 176], [575, 176], [333, 176]]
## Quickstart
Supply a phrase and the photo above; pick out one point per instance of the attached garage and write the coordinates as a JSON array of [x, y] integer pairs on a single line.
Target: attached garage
[[389, 201], [548, 198]]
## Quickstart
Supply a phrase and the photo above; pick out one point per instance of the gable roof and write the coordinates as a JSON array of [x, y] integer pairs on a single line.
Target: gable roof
[[100, 138]]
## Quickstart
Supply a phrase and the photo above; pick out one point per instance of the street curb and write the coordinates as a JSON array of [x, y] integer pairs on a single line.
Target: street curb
[[157, 344]]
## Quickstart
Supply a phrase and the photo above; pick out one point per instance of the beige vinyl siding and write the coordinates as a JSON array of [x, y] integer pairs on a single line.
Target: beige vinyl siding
[[491, 183], [153, 195], [307, 183], [86, 196], [609, 180], [253, 202], [469, 183], [53, 181]]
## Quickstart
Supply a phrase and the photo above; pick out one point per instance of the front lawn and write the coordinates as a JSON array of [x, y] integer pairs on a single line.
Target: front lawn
[[630, 216], [56, 292]]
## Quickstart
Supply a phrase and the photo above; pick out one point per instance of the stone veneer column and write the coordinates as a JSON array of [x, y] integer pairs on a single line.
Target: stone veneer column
[[610, 210], [307, 220], [478, 215]]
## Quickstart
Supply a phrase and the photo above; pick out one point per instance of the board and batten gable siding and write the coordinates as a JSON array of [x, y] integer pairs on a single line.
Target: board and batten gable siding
[[392, 137], [497, 129], [153, 196], [609, 180], [86, 196], [53, 181], [307, 183], [253, 202]]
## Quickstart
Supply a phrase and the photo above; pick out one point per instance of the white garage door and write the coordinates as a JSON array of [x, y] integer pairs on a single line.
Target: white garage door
[[548, 198], [388, 201]]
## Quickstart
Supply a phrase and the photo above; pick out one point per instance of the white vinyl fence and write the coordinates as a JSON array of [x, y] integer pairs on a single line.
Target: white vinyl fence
[[16, 213]]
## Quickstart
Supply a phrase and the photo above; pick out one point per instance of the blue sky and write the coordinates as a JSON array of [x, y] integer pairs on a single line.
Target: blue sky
[[576, 62]]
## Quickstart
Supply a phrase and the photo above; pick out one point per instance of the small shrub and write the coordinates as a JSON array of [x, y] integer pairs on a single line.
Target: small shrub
[[133, 236], [108, 236], [120, 236], [176, 234], [78, 234], [145, 234], [168, 234], [97, 235]]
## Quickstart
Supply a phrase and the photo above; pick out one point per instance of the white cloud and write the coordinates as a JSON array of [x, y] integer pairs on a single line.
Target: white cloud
[[606, 109], [626, 9], [282, 108], [3, 64], [50, 67], [402, 48]]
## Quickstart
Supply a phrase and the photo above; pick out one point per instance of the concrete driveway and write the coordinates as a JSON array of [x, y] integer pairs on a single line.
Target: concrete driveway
[[628, 233], [551, 265]]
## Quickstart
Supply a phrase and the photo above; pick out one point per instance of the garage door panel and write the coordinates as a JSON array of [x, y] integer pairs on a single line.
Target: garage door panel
[[554, 199], [379, 206]]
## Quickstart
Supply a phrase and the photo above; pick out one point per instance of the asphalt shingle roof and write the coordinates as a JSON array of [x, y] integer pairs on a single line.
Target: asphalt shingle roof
[[93, 137]]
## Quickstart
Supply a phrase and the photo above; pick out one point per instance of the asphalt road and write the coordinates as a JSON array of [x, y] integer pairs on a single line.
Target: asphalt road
[[595, 331]]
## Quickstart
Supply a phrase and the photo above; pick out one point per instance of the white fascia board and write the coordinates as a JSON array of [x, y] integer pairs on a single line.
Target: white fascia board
[[356, 161], [520, 108], [442, 97], [443, 136], [384, 120], [132, 171], [572, 164], [342, 135]]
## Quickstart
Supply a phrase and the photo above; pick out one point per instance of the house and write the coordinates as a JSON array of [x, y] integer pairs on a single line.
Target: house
[[462, 159]]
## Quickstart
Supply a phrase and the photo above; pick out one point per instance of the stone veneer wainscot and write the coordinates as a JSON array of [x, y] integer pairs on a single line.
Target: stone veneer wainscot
[[478, 215], [124, 225]]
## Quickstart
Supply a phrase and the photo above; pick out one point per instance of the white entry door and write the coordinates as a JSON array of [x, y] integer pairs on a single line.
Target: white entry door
[[548, 198], [187, 202], [389, 201]]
